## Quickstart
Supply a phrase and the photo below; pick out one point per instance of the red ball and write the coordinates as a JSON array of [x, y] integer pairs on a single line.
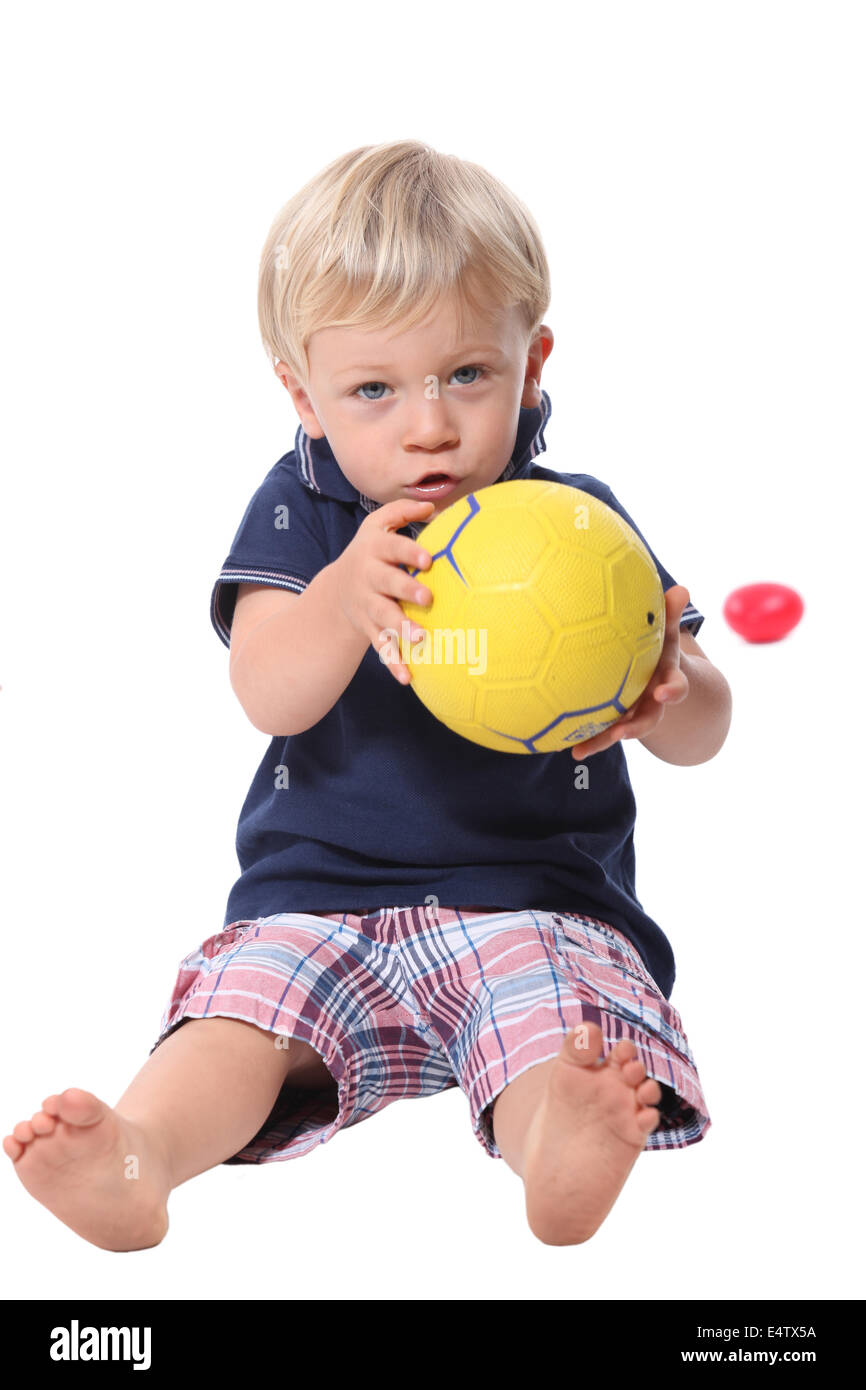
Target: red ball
[[763, 612]]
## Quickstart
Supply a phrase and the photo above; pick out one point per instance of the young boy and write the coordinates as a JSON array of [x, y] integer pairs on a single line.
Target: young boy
[[401, 298]]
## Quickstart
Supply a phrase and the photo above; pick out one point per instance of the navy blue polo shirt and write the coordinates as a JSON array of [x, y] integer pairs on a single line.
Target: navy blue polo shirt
[[379, 804]]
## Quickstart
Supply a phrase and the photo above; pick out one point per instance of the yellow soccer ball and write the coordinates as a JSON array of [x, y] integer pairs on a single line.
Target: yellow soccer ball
[[547, 620]]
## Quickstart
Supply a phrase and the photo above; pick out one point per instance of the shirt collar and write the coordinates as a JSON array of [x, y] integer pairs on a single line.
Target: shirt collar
[[320, 472]]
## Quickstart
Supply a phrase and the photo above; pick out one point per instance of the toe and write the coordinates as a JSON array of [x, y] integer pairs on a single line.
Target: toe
[[23, 1132], [12, 1147], [42, 1123], [634, 1072], [624, 1051], [649, 1093], [647, 1119], [76, 1107], [582, 1045], [50, 1104]]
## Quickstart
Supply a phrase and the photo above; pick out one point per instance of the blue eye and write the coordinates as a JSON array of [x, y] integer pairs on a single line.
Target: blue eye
[[379, 387]]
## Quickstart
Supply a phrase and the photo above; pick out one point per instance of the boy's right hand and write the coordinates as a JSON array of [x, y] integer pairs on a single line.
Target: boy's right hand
[[371, 579]]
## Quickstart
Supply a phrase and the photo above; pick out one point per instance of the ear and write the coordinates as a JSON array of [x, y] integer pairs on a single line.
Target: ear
[[537, 354], [303, 404]]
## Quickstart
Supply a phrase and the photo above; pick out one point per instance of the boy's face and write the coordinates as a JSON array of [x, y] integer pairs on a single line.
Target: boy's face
[[396, 406]]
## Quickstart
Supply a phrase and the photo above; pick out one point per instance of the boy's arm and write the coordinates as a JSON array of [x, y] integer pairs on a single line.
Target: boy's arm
[[292, 655], [694, 730]]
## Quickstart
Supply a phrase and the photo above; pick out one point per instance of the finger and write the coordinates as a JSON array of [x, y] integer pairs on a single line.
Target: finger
[[676, 601], [679, 596], [393, 516], [399, 671], [402, 627], [596, 744], [638, 727], [400, 550], [644, 725], [631, 714], [673, 687], [663, 672], [388, 652], [390, 624], [390, 579]]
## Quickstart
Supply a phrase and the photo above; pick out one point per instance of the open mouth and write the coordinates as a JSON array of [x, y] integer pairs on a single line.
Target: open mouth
[[434, 480]]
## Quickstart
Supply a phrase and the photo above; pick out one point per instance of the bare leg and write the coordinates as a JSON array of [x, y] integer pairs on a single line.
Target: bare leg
[[209, 1087], [572, 1128], [199, 1098]]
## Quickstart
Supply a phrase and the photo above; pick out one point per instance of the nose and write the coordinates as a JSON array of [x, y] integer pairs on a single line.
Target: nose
[[429, 428]]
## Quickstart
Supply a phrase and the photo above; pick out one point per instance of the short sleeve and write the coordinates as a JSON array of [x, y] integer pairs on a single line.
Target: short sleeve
[[691, 618], [280, 541]]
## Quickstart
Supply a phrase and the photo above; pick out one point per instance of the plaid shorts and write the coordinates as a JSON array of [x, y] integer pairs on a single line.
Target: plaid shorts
[[407, 1002]]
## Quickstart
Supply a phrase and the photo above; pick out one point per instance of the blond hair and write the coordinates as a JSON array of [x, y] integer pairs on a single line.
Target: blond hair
[[380, 234]]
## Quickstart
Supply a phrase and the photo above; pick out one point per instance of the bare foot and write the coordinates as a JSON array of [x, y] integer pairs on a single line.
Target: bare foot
[[97, 1171], [582, 1142]]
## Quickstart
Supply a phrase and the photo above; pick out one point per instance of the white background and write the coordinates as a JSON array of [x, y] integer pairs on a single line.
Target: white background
[[697, 173]]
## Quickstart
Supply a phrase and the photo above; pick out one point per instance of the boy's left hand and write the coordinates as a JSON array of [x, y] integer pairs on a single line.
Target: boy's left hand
[[668, 685]]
